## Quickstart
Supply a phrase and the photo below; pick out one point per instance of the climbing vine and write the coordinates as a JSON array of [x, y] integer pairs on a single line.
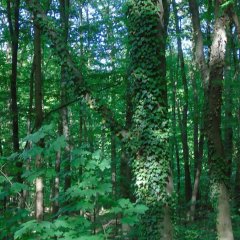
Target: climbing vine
[[149, 138]]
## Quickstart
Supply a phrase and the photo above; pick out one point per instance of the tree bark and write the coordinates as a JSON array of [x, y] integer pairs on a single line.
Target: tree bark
[[64, 16], [174, 126], [228, 120], [216, 150], [195, 191], [184, 134], [56, 184], [199, 57], [13, 9], [39, 211], [212, 78]]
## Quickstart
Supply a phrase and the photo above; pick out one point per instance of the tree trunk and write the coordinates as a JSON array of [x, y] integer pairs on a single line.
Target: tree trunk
[[125, 165], [56, 184], [216, 150], [81, 88], [38, 117], [212, 78], [149, 135], [174, 126], [195, 192], [64, 14], [228, 119], [13, 9], [188, 185], [199, 57]]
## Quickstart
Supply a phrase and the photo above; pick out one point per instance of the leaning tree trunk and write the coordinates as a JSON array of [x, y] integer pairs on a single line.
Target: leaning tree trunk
[[149, 137]]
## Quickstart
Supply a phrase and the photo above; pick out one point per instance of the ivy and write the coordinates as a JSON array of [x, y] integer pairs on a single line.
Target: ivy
[[149, 141]]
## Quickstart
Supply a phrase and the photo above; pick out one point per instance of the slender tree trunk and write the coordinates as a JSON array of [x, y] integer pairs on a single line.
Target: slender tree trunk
[[64, 13], [56, 183], [113, 165], [174, 127], [30, 120], [14, 34], [188, 185], [125, 165], [13, 8], [195, 191], [198, 149], [196, 119], [199, 57], [39, 211]]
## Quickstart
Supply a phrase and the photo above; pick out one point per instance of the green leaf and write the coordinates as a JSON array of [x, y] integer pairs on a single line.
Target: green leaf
[[59, 143], [96, 155], [18, 187], [140, 208], [105, 164], [124, 203], [131, 220]]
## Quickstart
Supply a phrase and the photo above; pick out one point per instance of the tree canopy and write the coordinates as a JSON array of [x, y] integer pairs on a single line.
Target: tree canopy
[[119, 119]]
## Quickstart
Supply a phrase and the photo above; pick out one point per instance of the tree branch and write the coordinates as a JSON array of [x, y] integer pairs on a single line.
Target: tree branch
[[81, 88]]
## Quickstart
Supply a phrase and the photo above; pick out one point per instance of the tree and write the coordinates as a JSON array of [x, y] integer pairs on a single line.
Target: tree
[[38, 116], [119, 102], [147, 24], [13, 8], [213, 80]]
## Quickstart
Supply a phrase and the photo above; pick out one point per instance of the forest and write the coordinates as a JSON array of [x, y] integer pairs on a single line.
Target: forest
[[119, 119]]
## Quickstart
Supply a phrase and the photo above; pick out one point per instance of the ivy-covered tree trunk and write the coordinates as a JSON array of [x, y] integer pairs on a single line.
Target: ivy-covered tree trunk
[[228, 130], [147, 25]]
